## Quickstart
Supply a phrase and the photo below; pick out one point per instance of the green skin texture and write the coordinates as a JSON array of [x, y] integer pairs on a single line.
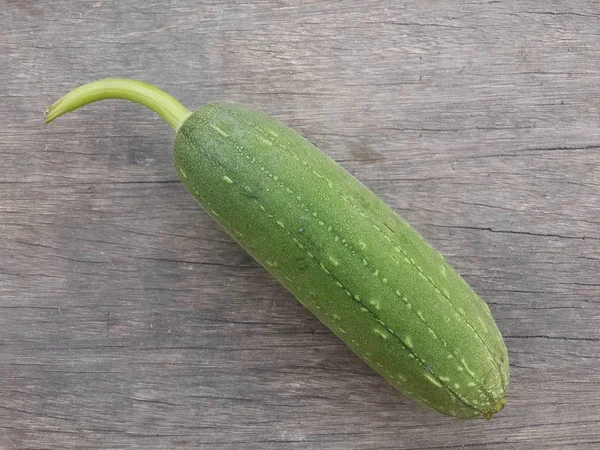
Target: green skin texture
[[347, 257], [338, 248]]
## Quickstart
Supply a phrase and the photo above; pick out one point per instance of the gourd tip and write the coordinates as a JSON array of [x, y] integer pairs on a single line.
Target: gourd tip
[[48, 116], [499, 406], [53, 111]]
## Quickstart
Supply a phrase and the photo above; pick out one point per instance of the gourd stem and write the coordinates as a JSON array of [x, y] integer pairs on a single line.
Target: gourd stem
[[163, 104]]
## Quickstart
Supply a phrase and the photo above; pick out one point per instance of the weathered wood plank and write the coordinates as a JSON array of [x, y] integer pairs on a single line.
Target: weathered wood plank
[[128, 320]]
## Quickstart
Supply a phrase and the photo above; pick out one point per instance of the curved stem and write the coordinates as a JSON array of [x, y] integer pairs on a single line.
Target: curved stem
[[163, 104]]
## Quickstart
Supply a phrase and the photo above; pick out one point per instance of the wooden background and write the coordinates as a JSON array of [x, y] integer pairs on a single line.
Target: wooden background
[[129, 320]]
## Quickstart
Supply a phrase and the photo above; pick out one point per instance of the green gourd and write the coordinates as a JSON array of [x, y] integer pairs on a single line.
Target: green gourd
[[339, 249]]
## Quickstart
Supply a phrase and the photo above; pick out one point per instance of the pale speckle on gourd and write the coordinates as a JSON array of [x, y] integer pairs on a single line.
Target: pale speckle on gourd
[[218, 130], [324, 269], [408, 342], [443, 271], [375, 304], [266, 141], [464, 363], [227, 179], [483, 325], [433, 380], [381, 333]]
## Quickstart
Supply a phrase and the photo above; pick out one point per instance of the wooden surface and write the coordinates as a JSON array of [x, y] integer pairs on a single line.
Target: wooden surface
[[129, 320]]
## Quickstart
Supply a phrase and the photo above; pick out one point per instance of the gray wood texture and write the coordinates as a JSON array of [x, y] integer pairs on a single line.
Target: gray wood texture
[[129, 320]]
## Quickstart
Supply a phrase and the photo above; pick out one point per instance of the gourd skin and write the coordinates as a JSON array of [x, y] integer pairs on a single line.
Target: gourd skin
[[346, 256]]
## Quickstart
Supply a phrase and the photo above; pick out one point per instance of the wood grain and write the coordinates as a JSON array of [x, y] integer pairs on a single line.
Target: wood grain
[[129, 320]]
